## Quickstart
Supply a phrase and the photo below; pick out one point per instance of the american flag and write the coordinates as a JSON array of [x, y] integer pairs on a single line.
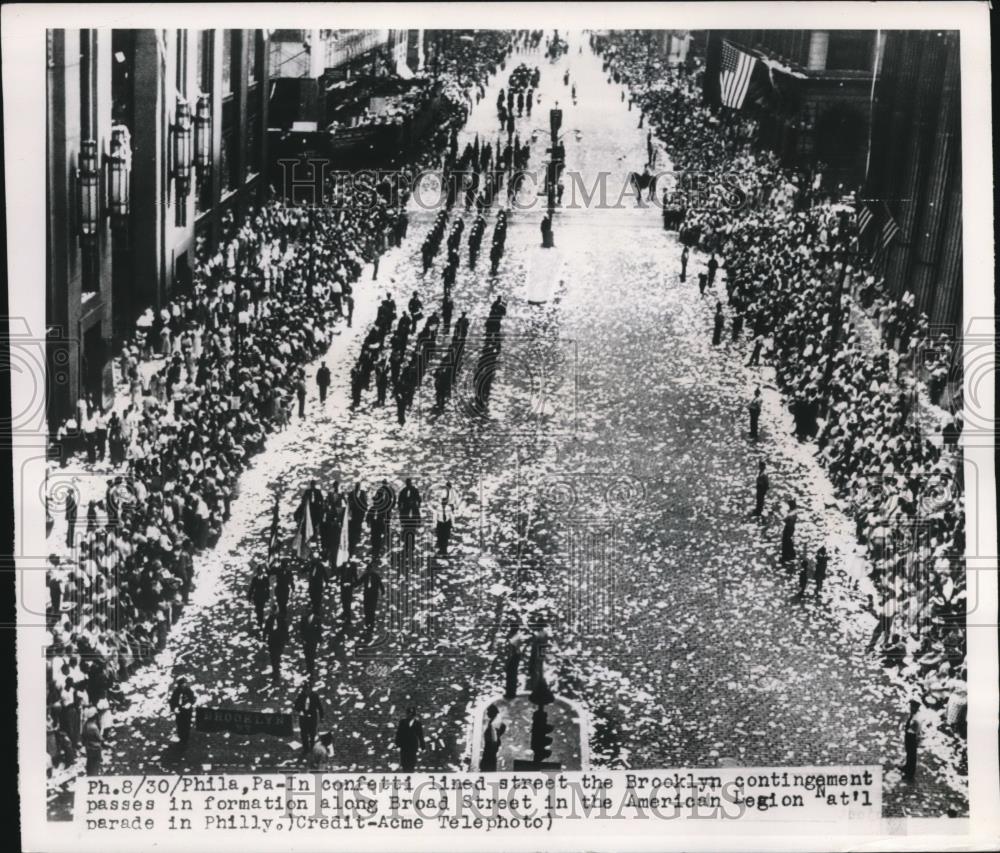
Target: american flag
[[734, 79], [864, 218], [889, 230]]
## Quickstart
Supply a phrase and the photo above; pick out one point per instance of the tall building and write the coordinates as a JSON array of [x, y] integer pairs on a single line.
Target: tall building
[[915, 170], [153, 136]]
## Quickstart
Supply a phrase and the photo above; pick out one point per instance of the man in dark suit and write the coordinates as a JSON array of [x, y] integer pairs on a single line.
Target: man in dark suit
[[443, 527], [283, 586], [348, 580], [755, 407], [71, 511], [317, 584], [309, 707], [409, 739], [276, 636], [409, 502], [763, 484], [311, 630], [372, 587], [259, 592], [182, 704], [323, 381]]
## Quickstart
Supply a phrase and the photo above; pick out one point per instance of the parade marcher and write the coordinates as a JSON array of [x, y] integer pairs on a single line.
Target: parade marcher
[[381, 380], [822, 563], [349, 302], [316, 581], [409, 502], [754, 407], [311, 631], [400, 399], [372, 587], [283, 586], [443, 526], [259, 592], [684, 263], [804, 573], [409, 740], [788, 535], [182, 706], [911, 740], [275, 636], [720, 320], [71, 511], [309, 707], [323, 381], [492, 735], [348, 580], [318, 758], [763, 484], [300, 393], [447, 307]]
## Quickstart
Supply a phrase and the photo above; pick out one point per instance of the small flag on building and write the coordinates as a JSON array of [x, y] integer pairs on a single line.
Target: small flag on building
[[734, 78], [864, 218], [889, 230]]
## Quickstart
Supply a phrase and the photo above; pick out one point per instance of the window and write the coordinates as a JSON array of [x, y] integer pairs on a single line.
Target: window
[[252, 72], [253, 145], [850, 50], [227, 161], [182, 65], [228, 56], [86, 84], [205, 42]]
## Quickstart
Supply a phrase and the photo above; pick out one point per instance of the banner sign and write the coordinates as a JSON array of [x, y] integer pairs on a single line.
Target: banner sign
[[243, 722]]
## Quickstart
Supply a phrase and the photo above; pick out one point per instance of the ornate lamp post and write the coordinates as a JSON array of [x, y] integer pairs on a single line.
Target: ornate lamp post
[[203, 136], [183, 158], [88, 181], [119, 163]]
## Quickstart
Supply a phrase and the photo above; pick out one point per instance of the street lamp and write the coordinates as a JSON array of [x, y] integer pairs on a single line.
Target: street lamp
[[203, 136], [182, 149], [119, 175], [88, 179]]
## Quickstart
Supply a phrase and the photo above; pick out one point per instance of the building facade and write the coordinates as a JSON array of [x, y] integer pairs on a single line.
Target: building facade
[[915, 170], [154, 136], [811, 94], [879, 113]]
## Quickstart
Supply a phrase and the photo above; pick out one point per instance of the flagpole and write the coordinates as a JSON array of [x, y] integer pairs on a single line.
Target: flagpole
[[871, 101]]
